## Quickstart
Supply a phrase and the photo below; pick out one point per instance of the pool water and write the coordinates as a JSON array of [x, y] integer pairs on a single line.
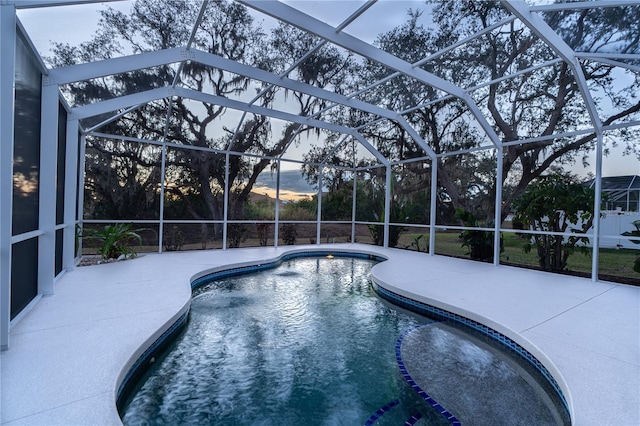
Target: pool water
[[306, 343]]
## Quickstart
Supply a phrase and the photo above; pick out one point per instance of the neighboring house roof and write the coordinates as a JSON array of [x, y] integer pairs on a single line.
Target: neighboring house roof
[[623, 192], [619, 183]]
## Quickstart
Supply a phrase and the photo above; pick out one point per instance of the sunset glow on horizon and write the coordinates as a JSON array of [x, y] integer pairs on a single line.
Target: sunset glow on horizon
[[285, 195]]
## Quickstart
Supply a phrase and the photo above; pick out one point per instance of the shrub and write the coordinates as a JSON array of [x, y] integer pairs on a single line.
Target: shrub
[[416, 243], [263, 230], [377, 234], [479, 243], [552, 204], [236, 234], [114, 240], [173, 239], [289, 233], [377, 231]]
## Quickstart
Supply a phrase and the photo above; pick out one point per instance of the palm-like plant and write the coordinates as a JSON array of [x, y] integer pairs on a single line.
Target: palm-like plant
[[114, 240]]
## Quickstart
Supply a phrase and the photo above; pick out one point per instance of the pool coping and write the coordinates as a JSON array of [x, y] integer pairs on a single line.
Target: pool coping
[[37, 387]]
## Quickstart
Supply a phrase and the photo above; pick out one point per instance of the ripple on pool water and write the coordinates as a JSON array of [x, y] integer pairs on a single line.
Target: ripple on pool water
[[477, 383], [305, 343]]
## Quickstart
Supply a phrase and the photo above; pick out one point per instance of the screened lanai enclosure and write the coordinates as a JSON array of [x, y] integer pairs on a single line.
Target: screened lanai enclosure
[[622, 193], [451, 127]]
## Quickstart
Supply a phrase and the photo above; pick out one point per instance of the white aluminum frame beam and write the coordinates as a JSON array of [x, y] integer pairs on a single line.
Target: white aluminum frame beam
[[71, 192], [82, 72], [176, 79], [122, 102], [484, 84], [334, 149], [109, 105], [82, 159], [192, 36], [307, 23], [292, 16], [539, 26], [112, 118], [387, 206], [112, 66], [27, 39], [607, 55], [215, 61], [435, 55], [465, 40], [293, 66], [611, 62], [73, 73], [363, 8], [207, 149], [47, 190], [594, 4], [7, 75], [276, 226], [32, 4], [319, 204]]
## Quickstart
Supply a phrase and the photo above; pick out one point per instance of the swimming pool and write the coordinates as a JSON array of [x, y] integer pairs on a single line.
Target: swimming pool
[[306, 343]]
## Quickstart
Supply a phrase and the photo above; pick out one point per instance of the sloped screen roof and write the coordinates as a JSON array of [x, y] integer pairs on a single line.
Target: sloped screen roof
[[385, 64], [621, 183], [508, 89]]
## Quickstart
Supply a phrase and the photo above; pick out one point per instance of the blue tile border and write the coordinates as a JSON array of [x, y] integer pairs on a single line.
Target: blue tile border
[[380, 412], [421, 392], [441, 314], [230, 272], [413, 419]]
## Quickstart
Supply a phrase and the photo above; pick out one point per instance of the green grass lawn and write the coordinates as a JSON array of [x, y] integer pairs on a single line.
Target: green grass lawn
[[612, 262], [614, 265]]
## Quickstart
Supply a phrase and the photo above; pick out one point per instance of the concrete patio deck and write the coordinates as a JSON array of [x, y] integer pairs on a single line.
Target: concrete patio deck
[[69, 354]]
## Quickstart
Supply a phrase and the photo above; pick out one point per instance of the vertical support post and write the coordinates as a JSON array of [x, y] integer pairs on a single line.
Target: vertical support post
[[162, 186], [276, 231], [498, 206], [70, 194], [48, 167], [82, 146], [163, 162], [387, 206], [7, 76], [319, 215], [353, 207], [433, 206], [595, 258], [226, 202]]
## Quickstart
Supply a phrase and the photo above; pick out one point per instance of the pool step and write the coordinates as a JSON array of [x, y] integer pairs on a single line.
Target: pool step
[[415, 386]]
